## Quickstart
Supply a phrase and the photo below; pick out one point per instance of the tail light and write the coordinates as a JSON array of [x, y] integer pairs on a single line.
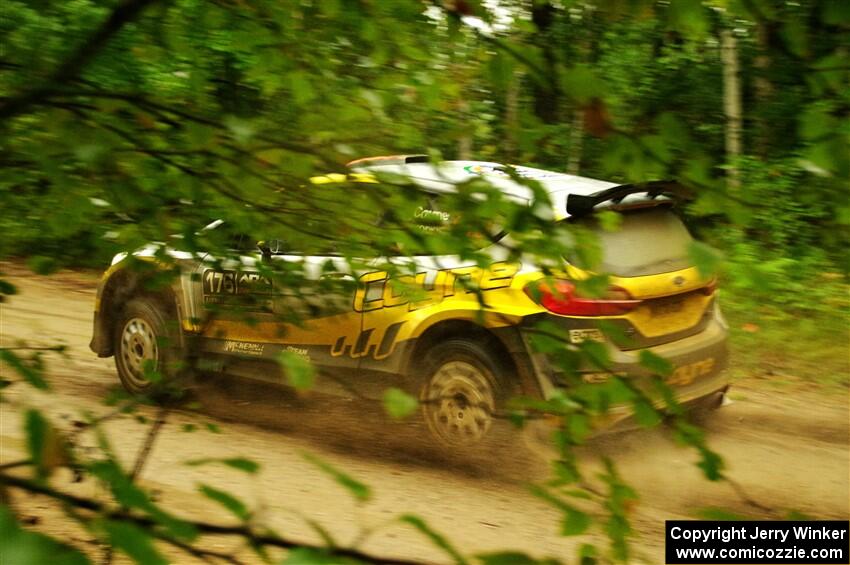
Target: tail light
[[560, 296]]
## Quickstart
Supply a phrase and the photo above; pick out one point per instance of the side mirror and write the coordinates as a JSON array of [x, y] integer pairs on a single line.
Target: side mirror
[[265, 250], [270, 247]]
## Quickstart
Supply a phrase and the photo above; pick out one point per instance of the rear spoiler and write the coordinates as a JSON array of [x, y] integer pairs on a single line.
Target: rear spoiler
[[582, 205]]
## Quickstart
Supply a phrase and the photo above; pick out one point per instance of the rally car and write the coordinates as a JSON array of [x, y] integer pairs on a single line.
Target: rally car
[[463, 344]]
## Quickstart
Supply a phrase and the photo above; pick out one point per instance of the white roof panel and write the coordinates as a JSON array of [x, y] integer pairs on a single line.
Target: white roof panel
[[443, 176]]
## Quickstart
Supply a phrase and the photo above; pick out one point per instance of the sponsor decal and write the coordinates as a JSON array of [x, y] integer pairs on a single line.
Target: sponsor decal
[[244, 347], [499, 170], [298, 351], [686, 374], [430, 214], [365, 346], [377, 290]]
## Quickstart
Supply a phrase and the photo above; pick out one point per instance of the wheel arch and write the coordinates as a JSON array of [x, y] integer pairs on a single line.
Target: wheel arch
[[504, 342], [115, 290]]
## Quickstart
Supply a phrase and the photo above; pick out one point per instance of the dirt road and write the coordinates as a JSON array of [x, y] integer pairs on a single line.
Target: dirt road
[[787, 447]]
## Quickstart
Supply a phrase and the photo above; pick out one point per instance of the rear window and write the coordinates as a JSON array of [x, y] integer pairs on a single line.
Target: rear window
[[648, 241]]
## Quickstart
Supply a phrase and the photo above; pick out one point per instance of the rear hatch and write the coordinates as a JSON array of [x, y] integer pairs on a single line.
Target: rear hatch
[[647, 255]]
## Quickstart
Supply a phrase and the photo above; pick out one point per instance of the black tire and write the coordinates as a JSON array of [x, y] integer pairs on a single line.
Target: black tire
[[463, 387], [145, 339]]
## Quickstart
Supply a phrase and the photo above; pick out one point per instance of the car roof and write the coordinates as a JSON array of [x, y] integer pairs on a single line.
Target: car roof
[[441, 177]]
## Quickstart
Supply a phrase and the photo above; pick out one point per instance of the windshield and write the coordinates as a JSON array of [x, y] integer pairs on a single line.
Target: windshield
[[648, 241]]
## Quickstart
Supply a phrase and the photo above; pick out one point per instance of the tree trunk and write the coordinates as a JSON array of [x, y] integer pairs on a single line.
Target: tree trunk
[[763, 87], [464, 142], [731, 106], [512, 116], [576, 142]]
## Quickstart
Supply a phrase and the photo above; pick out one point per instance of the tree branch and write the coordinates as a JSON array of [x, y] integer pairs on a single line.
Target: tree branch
[[257, 538], [66, 71]]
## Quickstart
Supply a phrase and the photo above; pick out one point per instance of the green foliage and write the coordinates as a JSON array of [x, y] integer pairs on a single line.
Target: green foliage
[[398, 404], [239, 463], [513, 558], [30, 369], [146, 132], [131, 496], [308, 556], [574, 521], [436, 538], [227, 500], [299, 372], [655, 363], [21, 547], [40, 442], [359, 490], [620, 498], [133, 540]]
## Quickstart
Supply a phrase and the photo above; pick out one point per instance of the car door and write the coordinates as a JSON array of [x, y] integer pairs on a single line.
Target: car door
[[318, 321]]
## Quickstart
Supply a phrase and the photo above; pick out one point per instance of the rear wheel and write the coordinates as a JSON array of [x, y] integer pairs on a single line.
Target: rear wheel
[[144, 346], [463, 388]]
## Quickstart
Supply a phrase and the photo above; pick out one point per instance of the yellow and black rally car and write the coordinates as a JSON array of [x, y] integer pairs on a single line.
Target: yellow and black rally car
[[439, 345]]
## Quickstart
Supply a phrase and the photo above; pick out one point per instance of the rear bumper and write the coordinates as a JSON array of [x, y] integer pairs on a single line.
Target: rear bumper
[[699, 363]]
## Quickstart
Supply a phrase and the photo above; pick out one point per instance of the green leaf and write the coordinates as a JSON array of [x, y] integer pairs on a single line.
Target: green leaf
[[587, 554], [436, 538], [578, 426], [574, 522], [645, 414], [594, 286], [655, 363], [302, 90], [688, 16], [596, 353], [42, 265], [398, 404], [37, 429], [711, 464], [7, 288], [32, 374], [45, 446], [132, 540], [131, 496], [360, 491], [298, 370], [20, 547], [513, 558], [311, 556], [705, 258], [835, 13], [233, 504], [240, 463], [582, 83], [609, 221], [816, 121]]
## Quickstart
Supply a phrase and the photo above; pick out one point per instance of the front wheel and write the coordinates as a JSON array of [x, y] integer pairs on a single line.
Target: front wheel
[[145, 350], [463, 387]]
